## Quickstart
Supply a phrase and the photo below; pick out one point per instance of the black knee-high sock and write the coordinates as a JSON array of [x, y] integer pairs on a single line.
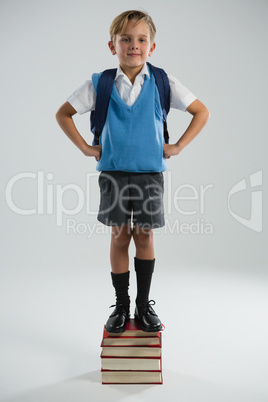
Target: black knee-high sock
[[121, 284], [144, 271]]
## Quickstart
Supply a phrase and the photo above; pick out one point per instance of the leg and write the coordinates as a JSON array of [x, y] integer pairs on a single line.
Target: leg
[[143, 239], [144, 267], [120, 239], [144, 262]]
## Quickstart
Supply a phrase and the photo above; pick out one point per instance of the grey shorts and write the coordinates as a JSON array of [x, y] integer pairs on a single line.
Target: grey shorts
[[136, 197]]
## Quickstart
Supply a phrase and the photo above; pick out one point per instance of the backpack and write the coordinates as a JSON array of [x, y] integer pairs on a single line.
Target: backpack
[[105, 86]]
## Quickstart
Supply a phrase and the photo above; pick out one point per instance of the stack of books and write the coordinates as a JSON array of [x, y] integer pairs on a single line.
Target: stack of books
[[132, 357]]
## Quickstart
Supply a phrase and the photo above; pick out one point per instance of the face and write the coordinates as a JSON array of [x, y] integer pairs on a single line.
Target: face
[[133, 46]]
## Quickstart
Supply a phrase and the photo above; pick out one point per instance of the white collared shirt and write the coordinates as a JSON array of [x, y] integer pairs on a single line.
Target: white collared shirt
[[83, 99]]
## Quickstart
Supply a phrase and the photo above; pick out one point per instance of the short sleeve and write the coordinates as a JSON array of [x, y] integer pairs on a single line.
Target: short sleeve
[[180, 96], [83, 99]]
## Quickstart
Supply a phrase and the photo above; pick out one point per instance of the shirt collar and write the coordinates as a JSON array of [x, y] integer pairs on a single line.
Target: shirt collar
[[144, 71]]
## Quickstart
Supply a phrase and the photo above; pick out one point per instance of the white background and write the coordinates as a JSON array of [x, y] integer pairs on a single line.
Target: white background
[[210, 289]]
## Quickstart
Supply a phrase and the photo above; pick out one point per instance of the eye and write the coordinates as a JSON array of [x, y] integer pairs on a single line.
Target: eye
[[125, 40]]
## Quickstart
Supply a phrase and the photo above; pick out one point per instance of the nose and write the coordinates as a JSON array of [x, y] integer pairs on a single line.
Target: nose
[[134, 45]]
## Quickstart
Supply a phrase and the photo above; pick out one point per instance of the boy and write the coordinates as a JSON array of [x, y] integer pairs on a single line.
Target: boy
[[131, 157]]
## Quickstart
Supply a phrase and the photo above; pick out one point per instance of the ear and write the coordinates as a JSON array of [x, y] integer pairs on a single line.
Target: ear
[[152, 49], [112, 47]]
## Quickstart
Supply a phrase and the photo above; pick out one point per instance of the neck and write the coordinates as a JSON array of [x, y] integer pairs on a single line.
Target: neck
[[131, 73]]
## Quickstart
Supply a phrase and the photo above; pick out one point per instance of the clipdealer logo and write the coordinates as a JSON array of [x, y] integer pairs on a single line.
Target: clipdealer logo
[[255, 221], [51, 196], [186, 200]]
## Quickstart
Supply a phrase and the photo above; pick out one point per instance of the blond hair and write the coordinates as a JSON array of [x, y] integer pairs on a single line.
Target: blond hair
[[120, 22]]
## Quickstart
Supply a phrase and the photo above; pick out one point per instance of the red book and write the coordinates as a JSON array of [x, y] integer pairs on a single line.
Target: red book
[[131, 363], [131, 351], [133, 328], [131, 377], [130, 340], [133, 335]]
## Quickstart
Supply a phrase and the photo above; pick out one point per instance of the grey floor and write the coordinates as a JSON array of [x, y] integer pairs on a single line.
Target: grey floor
[[214, 344]]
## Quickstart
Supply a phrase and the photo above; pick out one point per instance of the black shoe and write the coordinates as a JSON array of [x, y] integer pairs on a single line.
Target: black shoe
[[147, 316], [116, 323]]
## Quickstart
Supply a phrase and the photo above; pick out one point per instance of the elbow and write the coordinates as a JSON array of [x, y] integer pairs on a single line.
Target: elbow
[[206, 113], [65, 111], [57, 115], [203, 113]]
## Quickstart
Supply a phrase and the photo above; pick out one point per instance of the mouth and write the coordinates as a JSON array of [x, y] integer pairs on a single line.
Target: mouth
[[133, 54]]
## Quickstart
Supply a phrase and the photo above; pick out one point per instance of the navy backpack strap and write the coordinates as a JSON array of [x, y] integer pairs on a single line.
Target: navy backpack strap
[[104, 90], [162, 83]]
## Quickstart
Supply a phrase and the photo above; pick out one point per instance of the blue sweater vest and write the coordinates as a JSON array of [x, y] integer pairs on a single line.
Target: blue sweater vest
[[132, 137]]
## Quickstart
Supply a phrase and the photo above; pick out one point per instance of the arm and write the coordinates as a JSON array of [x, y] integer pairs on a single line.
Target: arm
[[66, 123], [200, 117]]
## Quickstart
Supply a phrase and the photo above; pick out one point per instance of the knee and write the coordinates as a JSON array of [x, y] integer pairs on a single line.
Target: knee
[[121, 238], [143, 239]]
